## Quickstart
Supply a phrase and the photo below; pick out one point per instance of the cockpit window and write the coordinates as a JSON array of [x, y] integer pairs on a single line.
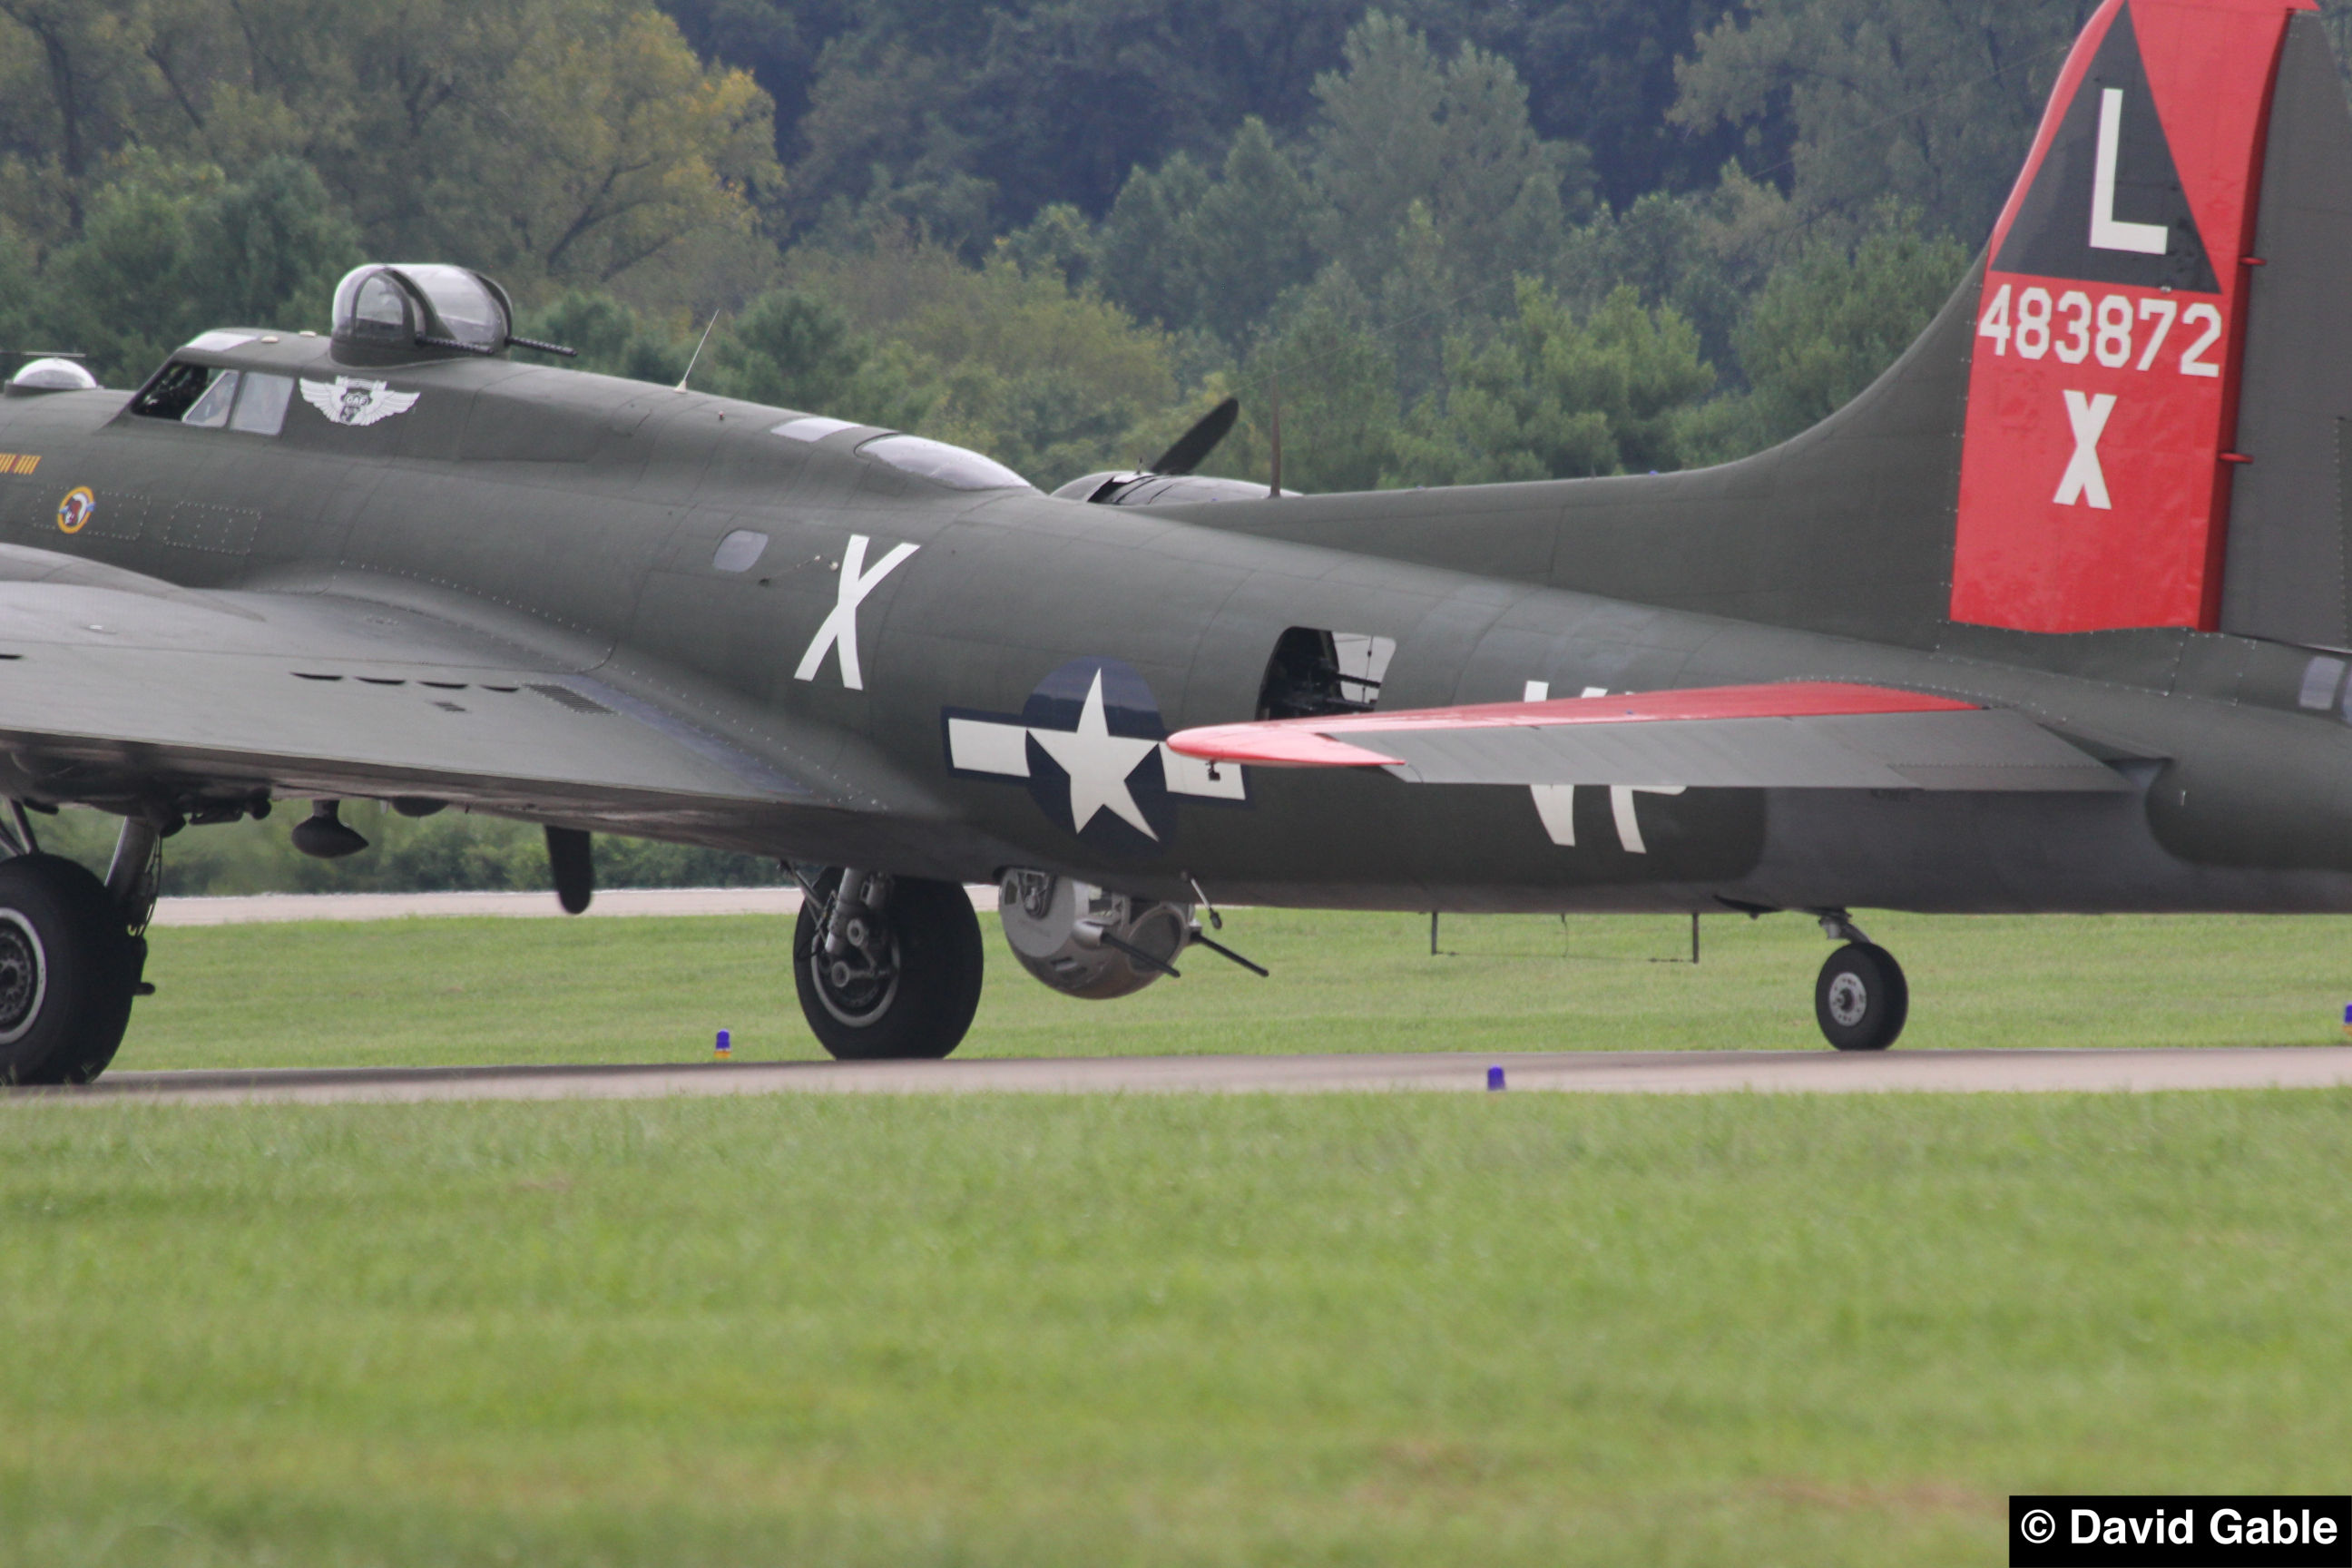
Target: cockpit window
[[942, 464], [172, 391], [252, 401], [211, 410], [261, 403]]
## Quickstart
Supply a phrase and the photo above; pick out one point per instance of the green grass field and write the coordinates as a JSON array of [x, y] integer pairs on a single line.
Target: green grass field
[[435, 991], [1413, 1329], [1167, 1329]]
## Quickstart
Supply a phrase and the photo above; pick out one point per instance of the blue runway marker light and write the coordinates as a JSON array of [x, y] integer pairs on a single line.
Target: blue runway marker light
[[726, 1046], [1494, 1075], [2347, 1019]]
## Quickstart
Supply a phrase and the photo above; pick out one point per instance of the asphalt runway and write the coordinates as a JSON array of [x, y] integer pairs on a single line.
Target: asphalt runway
[[1585, 1072], [271, 909]]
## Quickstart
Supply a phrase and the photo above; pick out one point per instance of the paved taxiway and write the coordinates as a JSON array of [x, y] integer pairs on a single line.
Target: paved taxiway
[[271, 909], [1590, 1072]]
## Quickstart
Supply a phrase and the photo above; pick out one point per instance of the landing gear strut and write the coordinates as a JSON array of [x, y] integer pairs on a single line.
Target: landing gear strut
[[1860, 999], [886, 967]]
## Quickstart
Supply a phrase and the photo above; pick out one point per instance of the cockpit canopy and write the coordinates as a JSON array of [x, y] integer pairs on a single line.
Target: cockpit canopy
[[404, 307]]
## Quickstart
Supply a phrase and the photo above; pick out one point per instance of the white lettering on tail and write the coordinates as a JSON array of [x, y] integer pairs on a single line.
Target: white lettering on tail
[[2085, 480], [2107, 233]]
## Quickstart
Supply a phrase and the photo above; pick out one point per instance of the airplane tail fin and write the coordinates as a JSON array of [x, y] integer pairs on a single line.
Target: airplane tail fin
[[2161, 368]]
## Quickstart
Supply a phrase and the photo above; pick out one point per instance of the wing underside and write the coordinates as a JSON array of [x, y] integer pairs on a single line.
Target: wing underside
[[113, 694]]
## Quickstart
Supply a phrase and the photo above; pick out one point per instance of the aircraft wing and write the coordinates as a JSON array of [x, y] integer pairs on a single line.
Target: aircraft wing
[[115, 687], [1795, 735]]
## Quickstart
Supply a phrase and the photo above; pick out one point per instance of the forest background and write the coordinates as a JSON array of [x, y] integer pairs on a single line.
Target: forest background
[[1463, 240]]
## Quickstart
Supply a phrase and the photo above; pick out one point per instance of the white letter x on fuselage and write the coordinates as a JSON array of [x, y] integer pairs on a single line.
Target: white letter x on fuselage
[[840, 629], [2085, 480]]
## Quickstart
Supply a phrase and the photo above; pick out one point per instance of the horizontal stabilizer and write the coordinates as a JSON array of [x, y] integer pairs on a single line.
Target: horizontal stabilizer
[[1799, 735]]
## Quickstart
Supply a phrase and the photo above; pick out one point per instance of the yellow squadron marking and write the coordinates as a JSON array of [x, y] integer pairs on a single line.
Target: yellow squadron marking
[[76, 509]]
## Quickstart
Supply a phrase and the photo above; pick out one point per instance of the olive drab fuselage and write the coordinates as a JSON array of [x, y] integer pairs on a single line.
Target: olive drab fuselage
[[996, 666]]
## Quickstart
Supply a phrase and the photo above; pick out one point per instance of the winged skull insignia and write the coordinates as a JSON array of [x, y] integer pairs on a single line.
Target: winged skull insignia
[[349, 402]]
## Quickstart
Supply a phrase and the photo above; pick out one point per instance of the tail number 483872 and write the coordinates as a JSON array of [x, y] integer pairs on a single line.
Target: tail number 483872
[[2070, 326]]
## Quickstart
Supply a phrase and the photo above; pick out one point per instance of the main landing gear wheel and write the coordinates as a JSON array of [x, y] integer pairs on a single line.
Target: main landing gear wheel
[[886, 967], [69, 968], [1862, 998]]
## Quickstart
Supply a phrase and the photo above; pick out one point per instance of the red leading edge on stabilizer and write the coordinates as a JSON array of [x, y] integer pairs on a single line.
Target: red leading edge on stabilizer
[[2103, 392], [1313, 742]]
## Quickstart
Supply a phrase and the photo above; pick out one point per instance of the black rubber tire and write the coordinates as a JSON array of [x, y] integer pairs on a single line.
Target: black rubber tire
[[939, 967], [1862, 999], [68, 970]]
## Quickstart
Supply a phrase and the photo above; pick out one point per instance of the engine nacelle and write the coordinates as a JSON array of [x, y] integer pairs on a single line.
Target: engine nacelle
[[1085, 942]]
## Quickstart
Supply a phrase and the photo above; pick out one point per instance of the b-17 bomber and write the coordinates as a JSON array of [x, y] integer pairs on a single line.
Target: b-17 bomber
[[2054, 616]]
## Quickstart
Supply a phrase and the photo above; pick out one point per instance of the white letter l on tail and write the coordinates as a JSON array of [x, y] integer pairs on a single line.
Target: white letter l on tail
[[2107, 231]]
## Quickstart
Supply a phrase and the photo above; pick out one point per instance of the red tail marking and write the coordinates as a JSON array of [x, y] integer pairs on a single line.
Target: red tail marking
[[2094, 490]]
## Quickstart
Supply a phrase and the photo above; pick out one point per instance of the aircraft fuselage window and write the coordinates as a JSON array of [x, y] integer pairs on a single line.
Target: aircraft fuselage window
[[943, 465], [261, 403], [813, 428], [739, 550], [173, 391], [1315, 674], [211, 410]]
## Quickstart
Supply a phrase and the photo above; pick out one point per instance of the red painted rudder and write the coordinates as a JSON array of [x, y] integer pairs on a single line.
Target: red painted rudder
[[2103, 392]]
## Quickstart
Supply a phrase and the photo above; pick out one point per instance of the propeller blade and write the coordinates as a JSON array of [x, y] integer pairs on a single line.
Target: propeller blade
[[1202, 440]]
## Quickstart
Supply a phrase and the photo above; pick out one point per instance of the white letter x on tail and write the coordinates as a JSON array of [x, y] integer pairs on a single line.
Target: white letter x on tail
[[840, 629], [2084, 481]]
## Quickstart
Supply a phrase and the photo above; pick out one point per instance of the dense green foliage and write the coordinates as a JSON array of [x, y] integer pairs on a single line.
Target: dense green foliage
[[451, 852], [1054, 229]]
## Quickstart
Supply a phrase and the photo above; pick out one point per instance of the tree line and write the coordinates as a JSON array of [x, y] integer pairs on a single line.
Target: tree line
[[1459, 240]]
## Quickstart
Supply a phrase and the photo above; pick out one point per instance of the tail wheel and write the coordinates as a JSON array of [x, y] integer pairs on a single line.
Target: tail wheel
[[68, 970], [902, 979], [1862, 998]]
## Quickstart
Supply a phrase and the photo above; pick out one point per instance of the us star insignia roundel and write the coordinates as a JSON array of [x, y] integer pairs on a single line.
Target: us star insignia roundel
[[346, 401], [1088, 742]]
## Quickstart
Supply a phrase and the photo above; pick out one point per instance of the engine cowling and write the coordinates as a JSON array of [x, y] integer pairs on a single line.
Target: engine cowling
[[1086, 941]]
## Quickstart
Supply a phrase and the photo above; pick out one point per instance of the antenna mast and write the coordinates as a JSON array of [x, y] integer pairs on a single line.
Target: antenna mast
[[697, 357], [1274, 387]]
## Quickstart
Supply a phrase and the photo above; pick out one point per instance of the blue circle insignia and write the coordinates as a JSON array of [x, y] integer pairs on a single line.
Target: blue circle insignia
[[1095, 763]]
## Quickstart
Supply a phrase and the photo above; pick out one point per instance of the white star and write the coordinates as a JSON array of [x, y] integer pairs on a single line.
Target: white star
[[1098, 763]]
